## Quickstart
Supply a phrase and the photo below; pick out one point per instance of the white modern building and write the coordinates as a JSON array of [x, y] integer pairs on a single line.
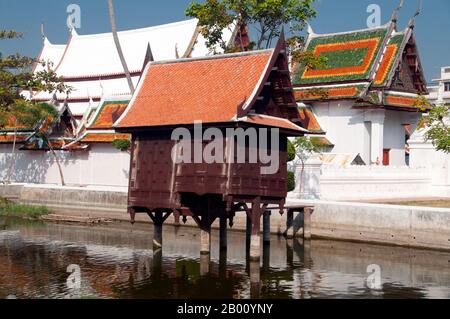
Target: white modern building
[[440, 92]]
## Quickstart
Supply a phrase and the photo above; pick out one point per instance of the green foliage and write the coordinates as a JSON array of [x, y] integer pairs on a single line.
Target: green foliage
[[290, 151], [266, 17], [16, 75], [305, 146], [438, 127], [11, 209], [290, 181], [9, 34], [123, 145]]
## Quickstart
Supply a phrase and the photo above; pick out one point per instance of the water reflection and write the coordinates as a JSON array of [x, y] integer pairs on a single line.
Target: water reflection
[[116, 261]]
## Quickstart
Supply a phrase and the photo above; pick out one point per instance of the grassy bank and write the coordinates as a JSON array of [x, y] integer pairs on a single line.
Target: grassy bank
[[427, 203], [10, 209]]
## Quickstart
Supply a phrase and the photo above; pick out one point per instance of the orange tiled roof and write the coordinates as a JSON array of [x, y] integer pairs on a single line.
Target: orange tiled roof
[[271, 121], [208, 90], [10, 138], [103, 138], [109, 114], [10, 125], [309, 120]]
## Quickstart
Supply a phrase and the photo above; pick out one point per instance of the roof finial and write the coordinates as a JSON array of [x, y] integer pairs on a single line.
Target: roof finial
[[43, 33], [101, 87], [394, 17], [148, 56], [177, 55], [412, 22], [310, 29], [282, 34]]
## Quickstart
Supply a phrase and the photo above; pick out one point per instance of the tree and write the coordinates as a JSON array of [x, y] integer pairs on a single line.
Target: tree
[[265, 17], [16, 76], [291, 154], [304, 149], [112, 18], [438, 127], [436, 123]]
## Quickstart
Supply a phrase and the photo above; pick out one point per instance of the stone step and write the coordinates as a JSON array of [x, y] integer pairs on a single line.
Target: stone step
[[75, 219]]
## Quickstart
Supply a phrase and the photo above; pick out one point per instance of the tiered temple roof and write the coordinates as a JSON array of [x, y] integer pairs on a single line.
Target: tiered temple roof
[[59, 131], [97, 126], [91, 66], [377, 67]]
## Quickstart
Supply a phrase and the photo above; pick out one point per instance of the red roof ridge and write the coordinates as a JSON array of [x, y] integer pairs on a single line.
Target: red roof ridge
[[213, 57]]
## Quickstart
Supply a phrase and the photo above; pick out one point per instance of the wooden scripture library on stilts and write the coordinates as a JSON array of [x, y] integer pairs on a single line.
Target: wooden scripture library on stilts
[[249, 91]]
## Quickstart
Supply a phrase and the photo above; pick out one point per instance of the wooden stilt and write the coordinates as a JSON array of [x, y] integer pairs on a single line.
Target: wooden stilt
[[158, 230], [248, 229], [255, 239], [266, 257], [157, 263], [266, 228], [290, 224], [223, 233], [255, 279], [205, 236], [223, 264]]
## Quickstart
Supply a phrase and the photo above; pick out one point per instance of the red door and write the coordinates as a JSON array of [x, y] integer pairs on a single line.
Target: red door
[[386, 157]]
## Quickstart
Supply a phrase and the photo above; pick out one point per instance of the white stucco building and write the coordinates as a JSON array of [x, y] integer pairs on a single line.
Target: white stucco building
[[364, 97]]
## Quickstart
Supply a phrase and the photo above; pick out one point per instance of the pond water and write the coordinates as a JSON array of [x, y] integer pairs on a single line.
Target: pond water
[[116, 261]]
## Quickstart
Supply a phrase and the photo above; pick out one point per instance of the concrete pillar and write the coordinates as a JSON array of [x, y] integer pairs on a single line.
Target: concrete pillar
[[377, 118], [266, 228], [157, 236], [307, 254], [255, 280], [205, 260], [223, 233], [290, 224], [307, 179], [307, 223], [255, 239], [205, 240], [289, 252]]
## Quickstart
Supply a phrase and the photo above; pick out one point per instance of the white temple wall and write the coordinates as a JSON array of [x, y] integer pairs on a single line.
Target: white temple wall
[[344, 125], [424, 155], [103, 165], [374, 182], [394, 137], [361, 183], [365, 132]]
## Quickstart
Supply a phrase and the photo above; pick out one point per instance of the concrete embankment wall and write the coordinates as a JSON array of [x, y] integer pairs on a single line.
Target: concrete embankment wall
[[385, 224], [398, 225]]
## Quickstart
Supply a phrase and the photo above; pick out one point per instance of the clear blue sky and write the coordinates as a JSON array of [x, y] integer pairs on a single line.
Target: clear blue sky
[[432, 28]]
